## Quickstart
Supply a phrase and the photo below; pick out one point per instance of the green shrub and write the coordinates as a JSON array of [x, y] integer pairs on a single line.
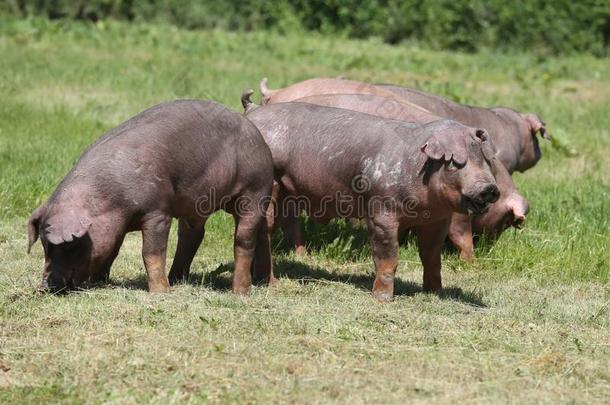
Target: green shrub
[[549, 26]]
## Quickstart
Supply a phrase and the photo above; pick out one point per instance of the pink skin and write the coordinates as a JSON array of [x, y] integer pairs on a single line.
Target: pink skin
[[513, 133], [443, 167], [509, 210], [131, 179], [316, 87]]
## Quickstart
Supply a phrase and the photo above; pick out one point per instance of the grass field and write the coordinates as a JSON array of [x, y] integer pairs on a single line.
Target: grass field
[[527, 321]]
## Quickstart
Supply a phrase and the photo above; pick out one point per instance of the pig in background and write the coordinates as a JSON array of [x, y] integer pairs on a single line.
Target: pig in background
[[509, 210], [513, 133]]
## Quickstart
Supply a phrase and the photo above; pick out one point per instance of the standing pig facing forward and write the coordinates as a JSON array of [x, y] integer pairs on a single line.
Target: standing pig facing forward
[[183, 159], [509, 210], [342, 163]]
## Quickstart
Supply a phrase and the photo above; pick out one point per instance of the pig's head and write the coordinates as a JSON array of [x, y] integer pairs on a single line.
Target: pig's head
[[460, 176], [67, 246], [510, 209], [506, 212]]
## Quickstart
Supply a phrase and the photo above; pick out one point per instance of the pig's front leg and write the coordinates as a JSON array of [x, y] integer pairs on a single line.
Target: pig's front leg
[[155, 230], [190, 236], [430, 240], [383, 235], [460, 234], [102, 275]]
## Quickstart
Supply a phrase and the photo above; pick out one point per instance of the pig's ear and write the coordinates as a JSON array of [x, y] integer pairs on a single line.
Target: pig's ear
[[446, 148], [536, 125], [66, 227], [487, 146], [34, 226]]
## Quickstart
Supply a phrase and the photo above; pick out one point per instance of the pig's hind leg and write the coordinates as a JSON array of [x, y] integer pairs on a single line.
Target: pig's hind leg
[[290, 222], [246, 229], [190, 236], [460, 235], [155, 231], [250, 213], [262, 267]]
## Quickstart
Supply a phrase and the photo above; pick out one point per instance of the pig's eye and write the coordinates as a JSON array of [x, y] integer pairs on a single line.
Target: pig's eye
[[451, 166]]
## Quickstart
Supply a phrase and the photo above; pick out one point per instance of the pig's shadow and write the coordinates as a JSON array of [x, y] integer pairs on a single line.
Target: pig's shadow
[[353, 238], [308, 274], [140, 282], [220, 280]]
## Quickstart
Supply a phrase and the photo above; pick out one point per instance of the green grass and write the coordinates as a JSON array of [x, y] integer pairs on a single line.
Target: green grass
[[527, 321]]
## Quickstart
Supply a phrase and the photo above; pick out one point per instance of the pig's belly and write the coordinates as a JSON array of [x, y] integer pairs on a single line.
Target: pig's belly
[[322, 200], [200, 200]]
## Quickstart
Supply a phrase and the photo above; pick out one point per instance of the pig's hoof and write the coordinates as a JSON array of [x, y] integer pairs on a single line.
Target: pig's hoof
[[432, 289], [383, 296], [261, 277], [173, 280], [241, 290], [159, 289], [272, 281], [466, 256], [100, 278]]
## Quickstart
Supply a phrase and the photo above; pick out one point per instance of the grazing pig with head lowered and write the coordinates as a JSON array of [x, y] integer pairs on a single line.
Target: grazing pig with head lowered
[[509, 210], [183, 159], [347, 164], [513, 133]]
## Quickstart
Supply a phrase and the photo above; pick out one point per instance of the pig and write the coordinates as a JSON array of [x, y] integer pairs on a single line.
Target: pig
[[183, 159], [314, 87], [339, 163], [513, 133], [509, 210]]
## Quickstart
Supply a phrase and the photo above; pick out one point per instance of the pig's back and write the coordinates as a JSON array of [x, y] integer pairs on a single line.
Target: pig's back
[[181, 147], [308, 137], [383, 107], [468, 115]]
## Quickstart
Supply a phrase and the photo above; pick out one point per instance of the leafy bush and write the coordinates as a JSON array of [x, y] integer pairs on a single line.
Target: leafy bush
[[549, 26]]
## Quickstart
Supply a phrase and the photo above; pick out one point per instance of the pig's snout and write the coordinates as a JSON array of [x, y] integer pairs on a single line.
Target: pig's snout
[[478, 202], [518, 221], [519, 213], [490, 194], [55, 283]]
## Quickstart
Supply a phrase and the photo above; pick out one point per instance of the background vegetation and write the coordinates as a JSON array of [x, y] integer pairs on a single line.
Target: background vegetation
[[547, 26], [527, 321]]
